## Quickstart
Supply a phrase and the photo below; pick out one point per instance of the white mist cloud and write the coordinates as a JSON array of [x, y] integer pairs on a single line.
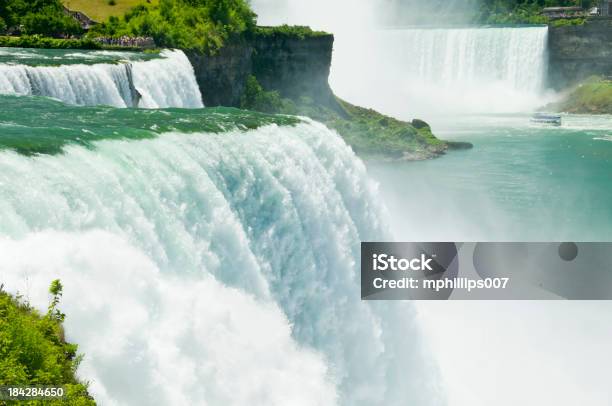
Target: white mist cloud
[[335, 15], [528, 353], [320, 14]]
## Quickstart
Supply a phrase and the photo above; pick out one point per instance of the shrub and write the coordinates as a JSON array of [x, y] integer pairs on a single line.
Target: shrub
[[37, 41], [50, 24], [568, 22], [44, 17], [256, 98], [112, 3], [33, 350], [294, 31]]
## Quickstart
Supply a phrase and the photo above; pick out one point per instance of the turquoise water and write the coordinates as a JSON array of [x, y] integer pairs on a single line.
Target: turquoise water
[[57, 57], [519, 182], [39, 125]]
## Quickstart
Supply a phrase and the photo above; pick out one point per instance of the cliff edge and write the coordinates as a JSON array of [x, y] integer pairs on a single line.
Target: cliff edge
[[285, 70], [579, 51]]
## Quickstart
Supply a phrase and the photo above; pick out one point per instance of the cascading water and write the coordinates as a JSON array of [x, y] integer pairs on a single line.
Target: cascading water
[[514, 56], [167, 81], [443, 70], [424, 72], [215, 267]]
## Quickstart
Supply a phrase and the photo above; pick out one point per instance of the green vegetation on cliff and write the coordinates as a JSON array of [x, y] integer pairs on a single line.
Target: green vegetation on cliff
[[37, 41], [201, 25], [198, 25], [33, 350], [44, 17], [289, 31], [594, 96], [368, 132], [524, 11]]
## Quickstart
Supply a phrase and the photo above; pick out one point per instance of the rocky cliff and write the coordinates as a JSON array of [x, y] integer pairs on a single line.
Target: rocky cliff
[[293, 66], [580, 51], [290, 67], [222, 77]]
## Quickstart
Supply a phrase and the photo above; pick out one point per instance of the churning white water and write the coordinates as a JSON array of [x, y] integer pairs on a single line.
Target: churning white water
[[168, 81], [428, 71], [213, 269]]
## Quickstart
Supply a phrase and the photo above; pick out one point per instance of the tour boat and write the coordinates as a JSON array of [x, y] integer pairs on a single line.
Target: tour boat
[[544, 118]]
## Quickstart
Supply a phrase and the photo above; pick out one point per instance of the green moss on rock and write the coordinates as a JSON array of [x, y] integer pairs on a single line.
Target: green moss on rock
[[594, 96], [370, 133], [289, 31]]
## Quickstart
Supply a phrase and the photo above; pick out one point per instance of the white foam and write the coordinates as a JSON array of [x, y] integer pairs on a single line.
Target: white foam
[[168, 81], [277, 213]]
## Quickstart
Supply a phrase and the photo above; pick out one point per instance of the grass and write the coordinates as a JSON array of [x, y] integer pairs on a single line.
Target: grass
[[594, 96], [369, 133], [372, 134], [101, 10]]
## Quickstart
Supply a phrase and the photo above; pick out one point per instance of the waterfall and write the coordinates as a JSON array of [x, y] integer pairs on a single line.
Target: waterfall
[[432, 71], [168, 81], [513, 56], [213, 268]]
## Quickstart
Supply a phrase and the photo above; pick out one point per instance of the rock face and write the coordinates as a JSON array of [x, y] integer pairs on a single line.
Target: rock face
[[222, 77], [293, 66], [580, 51]]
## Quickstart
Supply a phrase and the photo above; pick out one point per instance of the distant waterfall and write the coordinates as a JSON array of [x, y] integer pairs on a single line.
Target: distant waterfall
[[168, 81], [432, 71], [513, 56]]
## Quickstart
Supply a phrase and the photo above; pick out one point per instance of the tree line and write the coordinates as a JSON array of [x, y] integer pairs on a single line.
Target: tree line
[[44, 17]]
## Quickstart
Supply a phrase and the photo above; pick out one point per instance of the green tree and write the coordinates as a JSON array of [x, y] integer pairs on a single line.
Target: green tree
[[44, 17], [256, 98], [203, 25], [50, 23]]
